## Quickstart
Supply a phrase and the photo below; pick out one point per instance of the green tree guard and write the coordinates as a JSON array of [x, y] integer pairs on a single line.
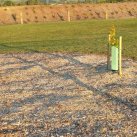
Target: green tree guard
[[114, 58], [114, 49]]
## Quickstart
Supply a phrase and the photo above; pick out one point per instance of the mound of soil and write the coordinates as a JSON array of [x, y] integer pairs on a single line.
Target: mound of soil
[[44, 13]]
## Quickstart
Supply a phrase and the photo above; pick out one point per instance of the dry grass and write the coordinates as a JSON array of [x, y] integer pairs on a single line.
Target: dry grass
[[44, 13]]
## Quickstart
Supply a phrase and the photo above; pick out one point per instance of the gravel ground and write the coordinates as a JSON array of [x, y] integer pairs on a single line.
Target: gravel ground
[[66, 95]]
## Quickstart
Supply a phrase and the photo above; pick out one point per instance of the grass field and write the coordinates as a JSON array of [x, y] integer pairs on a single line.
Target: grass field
[[80, 36]]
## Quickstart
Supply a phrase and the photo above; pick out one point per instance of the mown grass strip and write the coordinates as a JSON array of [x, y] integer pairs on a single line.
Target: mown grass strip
[[79, 36]]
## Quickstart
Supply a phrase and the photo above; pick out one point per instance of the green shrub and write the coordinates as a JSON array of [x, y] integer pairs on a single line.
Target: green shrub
[[32, 2], [8, 3]]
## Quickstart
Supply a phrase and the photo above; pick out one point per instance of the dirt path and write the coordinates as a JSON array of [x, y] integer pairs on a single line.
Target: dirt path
[[46, 95], [44, 13]]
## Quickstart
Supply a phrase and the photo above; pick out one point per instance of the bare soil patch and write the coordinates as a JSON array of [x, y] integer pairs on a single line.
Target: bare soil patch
[[70, 95], [44, 13]]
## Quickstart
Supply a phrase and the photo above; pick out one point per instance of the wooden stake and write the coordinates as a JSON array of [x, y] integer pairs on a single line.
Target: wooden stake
[[120, 56], [21, 18], [68, 15], [108, 53], [106, 15]]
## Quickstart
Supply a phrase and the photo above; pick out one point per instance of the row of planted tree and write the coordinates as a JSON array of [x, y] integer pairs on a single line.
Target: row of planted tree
[[37, 2]]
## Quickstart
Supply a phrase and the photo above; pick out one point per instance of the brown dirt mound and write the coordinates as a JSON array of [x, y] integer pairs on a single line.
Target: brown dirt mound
[[44, 13]]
